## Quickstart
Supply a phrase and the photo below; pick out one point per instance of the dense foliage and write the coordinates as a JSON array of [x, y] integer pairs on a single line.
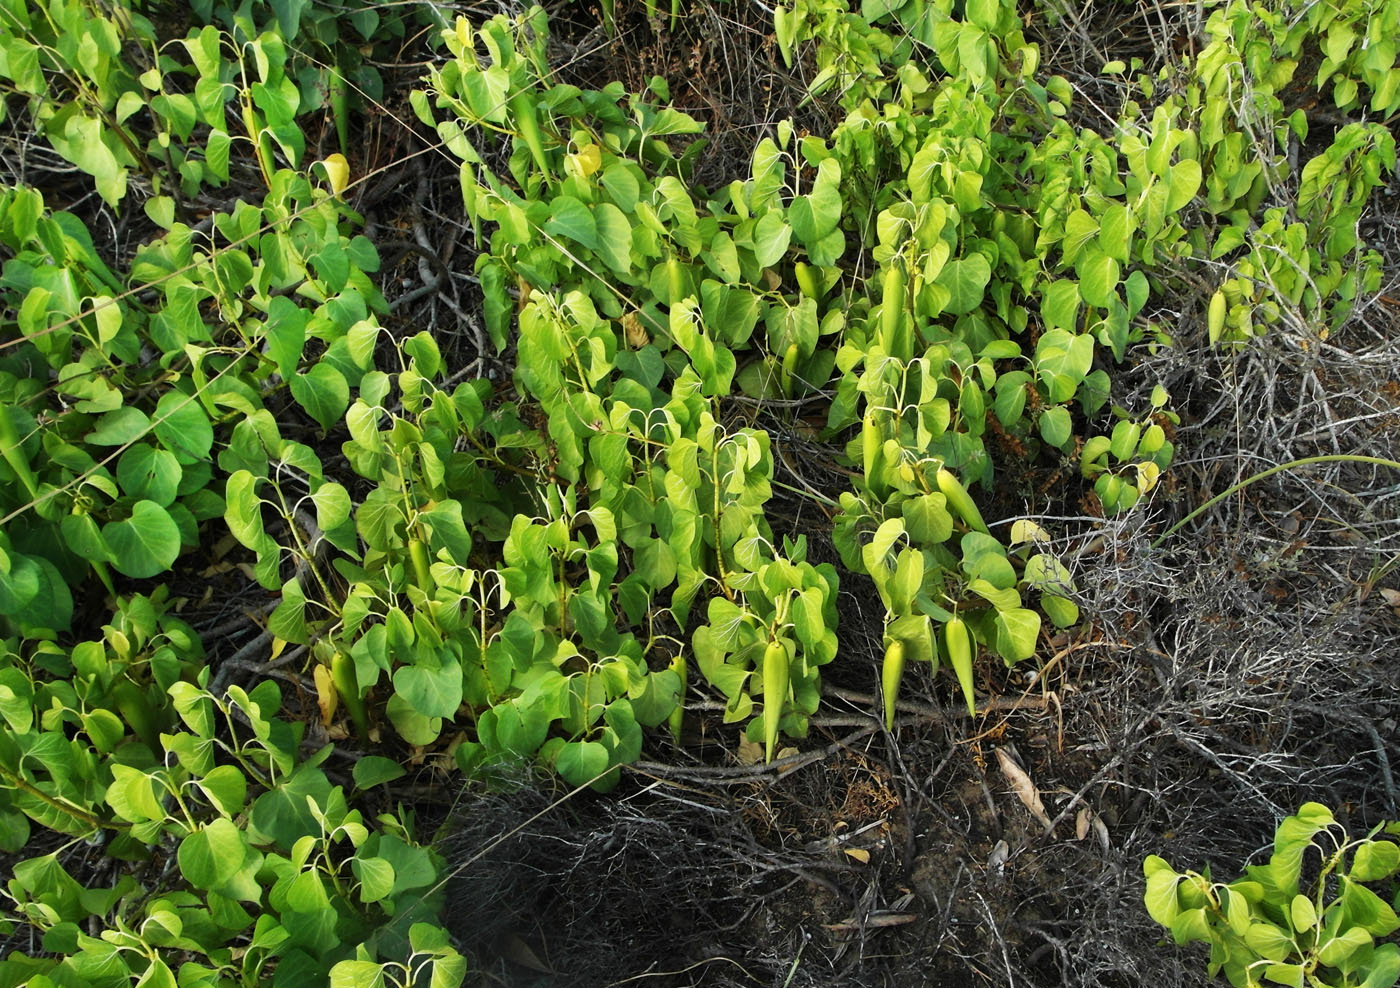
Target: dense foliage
[[545, 567]]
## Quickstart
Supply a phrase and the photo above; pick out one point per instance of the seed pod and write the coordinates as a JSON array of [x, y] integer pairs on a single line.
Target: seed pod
[[1215, 316], [872, 447], [677, 718], [418, 556], [894, 335], [789, 368], [675, 282], [959, 644], [808, 280], [890, 674], [961, 501], [775, 690], [262, 142], [347, 687]]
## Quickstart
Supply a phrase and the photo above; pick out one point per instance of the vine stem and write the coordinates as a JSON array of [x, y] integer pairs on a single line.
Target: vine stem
[[18, 780], [1305, 461]]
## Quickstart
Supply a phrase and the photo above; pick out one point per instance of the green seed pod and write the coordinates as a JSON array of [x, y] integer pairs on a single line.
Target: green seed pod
[[675, 282], [959, 644], [789, 368], [347, 687], [961, 501], [1215, 316], [872, 450], [677, 718], [891, 672], [775, 690], [894, 326]]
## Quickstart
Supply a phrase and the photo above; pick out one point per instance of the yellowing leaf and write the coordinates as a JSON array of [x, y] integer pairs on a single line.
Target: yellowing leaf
[[337, 172], [326, 696]]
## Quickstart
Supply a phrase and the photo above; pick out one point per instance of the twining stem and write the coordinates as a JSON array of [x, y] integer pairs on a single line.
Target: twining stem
[[18, 780], [1305, 461]]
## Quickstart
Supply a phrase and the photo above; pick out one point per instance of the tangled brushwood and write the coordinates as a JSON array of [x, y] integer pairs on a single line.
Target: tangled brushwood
[[699, 494]]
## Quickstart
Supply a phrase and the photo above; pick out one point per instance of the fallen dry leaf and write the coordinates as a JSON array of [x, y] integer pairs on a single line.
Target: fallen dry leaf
[[516, 950], [859, 853], [872, 921], [1081, 823], [1101, 832], [1021, 782], [750, 752]]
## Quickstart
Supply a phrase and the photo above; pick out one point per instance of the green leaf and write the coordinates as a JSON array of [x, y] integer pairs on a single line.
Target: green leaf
[[966, 281], [374, 770], [322, 391], [621, 186], [816, 215], [580, 762], [1184, 181], [1190, 925], [874, 553], [226, 788], [1059, 305], [1055, 426], [432, 686], [145, 544], [1063, 613], [927, 519], [119, 427], [1385, 959], [570, 218], [771, 236], [286, 334], [1302, 913], [1016, 633], [447, 530], [983, 13], [1285, 974], [81, 535], [655, 562], [1333, 952], [1373, 860], [1114, 232], [146, 472], [357, 974], [1081, 229], [1365, 909], [1268, 941], [213, 854], [1098, 278], [332, 505], [379, 519], [288, 621], [1124, 441], [376, 877], [183, 427], [132, 795], [614, 235]]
